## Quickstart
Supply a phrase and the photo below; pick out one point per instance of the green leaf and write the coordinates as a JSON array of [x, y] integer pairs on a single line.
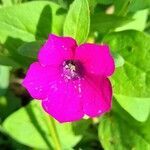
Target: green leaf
[[121, 9], [36, 129], [10, 2], [132, 80], [127, 6], [139, 23], [124, 6], [8, 61], [30, 49], [17, 22], [105, 2], [138, 5], [63, 3], [115, 133], [20, 24], [104, 23], [77, 22], [139, 108], [7, 2]]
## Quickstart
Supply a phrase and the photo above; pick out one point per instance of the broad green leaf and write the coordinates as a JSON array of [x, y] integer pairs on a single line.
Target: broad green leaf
[[63, 3], [30, 49], [137, 107], [7, 2], [8, 61], [10, 2], [105, 2], [115, 133], [138, 5], [104, 23], [77, 21], [122, 8], [26, 22], [36, 129], [139, 22], [7, 142], [132, 80], [21, 22], [127, 6]]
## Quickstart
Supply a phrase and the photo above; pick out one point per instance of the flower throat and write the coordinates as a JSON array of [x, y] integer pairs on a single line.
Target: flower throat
[[72, 70]]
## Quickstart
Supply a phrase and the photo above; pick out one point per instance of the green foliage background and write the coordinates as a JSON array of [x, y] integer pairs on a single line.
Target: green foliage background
[[122, 24]]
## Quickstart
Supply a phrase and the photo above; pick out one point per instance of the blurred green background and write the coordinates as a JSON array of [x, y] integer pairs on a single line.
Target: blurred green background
[[122, 24]]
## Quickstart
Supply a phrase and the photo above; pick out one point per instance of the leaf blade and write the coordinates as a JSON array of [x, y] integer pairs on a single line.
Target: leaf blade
[[132, 80], [33, 128], [78, 21]]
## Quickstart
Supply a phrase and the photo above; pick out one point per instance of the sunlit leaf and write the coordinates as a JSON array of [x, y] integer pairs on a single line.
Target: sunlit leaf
[[131, 82], [36, 129], [78, 21]]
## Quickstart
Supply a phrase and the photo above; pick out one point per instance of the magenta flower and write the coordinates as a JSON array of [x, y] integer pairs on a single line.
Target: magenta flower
[[71, 80]]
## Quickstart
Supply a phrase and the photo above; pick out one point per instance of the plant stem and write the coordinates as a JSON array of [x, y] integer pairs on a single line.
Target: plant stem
[[54, 134]]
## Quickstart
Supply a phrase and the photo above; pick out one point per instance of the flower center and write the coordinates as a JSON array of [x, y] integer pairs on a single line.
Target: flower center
[[72, 69]]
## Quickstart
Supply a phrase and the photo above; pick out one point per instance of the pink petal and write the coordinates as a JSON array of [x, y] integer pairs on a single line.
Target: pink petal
[[69, 101], [64, 102], [38, 78], [96, 59], [97, 96], [56, 50]]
